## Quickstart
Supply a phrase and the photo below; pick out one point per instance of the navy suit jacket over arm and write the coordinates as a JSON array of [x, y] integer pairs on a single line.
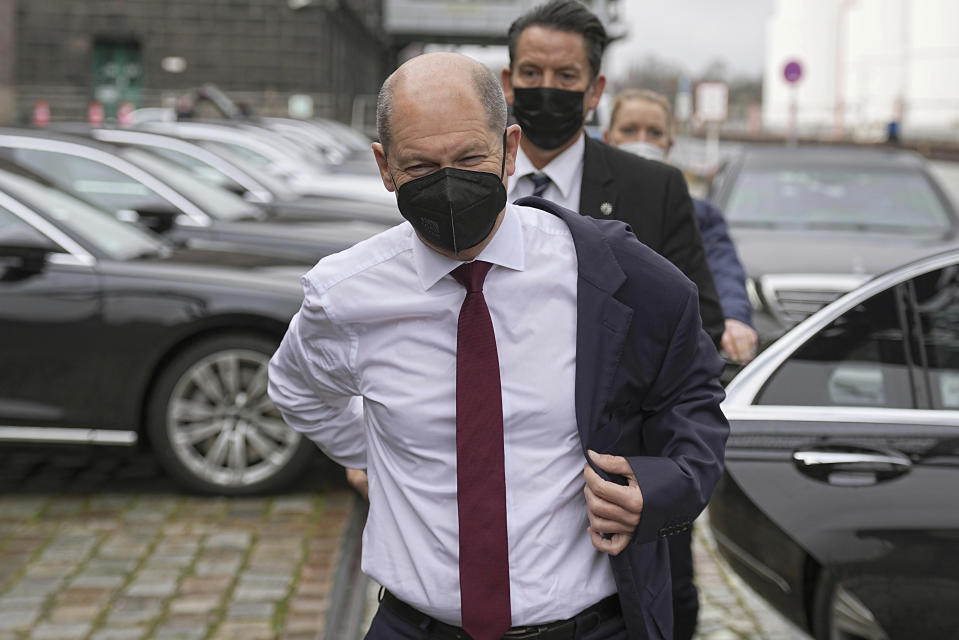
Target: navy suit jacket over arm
[[728, 273], [647, 389]]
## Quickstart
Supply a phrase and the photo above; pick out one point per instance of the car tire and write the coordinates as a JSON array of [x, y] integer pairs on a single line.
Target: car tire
[[212, 425], [839, 615]]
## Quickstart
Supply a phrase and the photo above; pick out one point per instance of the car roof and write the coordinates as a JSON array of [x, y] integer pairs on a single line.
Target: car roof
[[831, 155], [59, 136]]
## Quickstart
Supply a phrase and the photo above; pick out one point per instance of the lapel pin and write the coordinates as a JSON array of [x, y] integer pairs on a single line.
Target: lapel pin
[[606, 209]]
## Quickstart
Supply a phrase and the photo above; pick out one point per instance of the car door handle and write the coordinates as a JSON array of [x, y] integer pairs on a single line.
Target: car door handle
[[810, 458], [851, 467]]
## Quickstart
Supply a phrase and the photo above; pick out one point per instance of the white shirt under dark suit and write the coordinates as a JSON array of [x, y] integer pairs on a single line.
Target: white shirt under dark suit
[[367, 370]]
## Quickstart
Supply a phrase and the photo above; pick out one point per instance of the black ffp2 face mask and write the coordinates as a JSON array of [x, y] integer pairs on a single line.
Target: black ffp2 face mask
[[454, 209], [549, 117]]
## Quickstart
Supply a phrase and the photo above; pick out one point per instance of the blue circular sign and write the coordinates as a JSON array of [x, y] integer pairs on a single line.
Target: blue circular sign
[[792, 72]]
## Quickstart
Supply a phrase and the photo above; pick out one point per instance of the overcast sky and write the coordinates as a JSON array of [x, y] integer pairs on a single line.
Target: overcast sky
[[687, 33], [692, 33]]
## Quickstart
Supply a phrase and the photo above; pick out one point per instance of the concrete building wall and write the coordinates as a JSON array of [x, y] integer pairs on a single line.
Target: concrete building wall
[[263, 49]]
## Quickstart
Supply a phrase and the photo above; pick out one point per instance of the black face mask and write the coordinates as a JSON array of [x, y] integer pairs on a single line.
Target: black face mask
[[454, 209], [549, 117]]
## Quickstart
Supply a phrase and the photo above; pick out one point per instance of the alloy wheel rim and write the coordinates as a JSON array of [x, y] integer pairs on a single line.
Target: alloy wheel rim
[[223, 426]]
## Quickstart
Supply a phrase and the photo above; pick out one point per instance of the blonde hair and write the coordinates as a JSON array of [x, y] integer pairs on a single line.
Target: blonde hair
[[647, 96]]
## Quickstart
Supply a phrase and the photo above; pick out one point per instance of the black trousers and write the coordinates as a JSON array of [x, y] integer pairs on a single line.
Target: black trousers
[[387, 626], [685, 597]]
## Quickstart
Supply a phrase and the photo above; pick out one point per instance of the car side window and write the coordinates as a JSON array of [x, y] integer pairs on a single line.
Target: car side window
[[937, 306], [858, 360], [104, 186], [14, 234]]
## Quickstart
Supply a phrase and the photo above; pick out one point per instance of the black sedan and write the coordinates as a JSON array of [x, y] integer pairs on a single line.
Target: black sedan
[[108, 336], [143, 187], [813, 222], [839, 504]]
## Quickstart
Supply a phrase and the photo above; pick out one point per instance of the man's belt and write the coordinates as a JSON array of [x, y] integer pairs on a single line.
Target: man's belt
[[588, 618]]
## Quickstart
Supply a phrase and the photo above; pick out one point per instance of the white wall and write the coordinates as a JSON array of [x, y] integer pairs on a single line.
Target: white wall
[[866, 62]]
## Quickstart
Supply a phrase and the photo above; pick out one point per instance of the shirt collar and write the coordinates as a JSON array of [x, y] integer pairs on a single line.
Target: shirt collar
[[505, 249], [562, 170]]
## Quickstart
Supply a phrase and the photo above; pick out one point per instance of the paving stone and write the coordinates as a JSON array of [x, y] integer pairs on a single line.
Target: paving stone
[[76, 613], [244, 631], [52, 631], [119, 633], [194, 604], [247, 610], [309, 605], [14, 620], [177, 633], [76, 595], [292, 504], [109, 566], [97, 581], [34, 587], [229, 540], [217, 567], [302, 624], [24, 603], [140, 588]]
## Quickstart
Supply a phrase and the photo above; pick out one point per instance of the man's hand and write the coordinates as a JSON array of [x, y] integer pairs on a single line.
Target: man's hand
[[739, 341], [359, 481], [612, 508]]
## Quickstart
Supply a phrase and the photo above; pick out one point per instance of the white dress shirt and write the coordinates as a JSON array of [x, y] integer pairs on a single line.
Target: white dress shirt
[[565, 172], [379, 322]]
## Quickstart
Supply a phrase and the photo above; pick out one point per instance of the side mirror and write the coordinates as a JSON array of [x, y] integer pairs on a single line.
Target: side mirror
[[23, 254], [156, 218]]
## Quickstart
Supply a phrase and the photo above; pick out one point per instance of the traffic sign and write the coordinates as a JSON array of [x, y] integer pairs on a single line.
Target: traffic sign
[[792, 72], [712, 101]]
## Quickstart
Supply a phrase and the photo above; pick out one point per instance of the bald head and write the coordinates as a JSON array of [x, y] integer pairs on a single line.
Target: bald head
[[434, 77]]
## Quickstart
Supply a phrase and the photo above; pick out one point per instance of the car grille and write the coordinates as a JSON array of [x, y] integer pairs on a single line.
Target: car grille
[[793, 298]]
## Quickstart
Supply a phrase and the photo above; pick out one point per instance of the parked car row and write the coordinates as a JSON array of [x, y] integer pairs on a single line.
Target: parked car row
[[145, 280]]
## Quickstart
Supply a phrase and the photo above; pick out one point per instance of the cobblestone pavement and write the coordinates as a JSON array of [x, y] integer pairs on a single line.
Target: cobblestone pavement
[[100, 546], [729, 610]]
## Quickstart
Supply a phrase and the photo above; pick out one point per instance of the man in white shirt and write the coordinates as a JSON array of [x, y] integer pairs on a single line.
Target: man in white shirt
[[387, 363]]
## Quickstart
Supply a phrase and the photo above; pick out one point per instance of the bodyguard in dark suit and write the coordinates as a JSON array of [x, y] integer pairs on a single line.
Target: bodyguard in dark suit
[[552, 82]]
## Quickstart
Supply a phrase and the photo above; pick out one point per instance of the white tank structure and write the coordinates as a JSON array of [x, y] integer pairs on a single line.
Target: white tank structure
[[865, 63]]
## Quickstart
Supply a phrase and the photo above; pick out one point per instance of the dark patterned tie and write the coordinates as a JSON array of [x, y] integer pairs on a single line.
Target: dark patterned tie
[[480, 470], [540, 183]]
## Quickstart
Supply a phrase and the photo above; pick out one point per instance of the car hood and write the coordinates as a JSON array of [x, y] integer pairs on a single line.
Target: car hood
[[338, 234], [318, 208], [350, 186], [766, 252], [235, 269]]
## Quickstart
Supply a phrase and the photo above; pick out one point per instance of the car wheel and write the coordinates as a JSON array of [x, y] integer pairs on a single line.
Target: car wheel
[[213, 426], [839, 615]]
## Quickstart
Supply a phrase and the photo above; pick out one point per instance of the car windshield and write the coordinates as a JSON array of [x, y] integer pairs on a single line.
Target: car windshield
[[840, 198], [215, 201], [118, 240]]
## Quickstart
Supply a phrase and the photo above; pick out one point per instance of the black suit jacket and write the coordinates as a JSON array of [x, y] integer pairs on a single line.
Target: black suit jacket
[[647, 389], [652, 198]]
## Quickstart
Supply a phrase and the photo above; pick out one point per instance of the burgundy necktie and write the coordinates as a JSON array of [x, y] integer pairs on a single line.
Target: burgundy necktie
[[480, 471]]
